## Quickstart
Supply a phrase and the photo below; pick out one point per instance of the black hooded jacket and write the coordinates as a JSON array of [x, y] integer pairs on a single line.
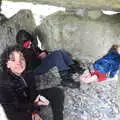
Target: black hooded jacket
[[31, 57]]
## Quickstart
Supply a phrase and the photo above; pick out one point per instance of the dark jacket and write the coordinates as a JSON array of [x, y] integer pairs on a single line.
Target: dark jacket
[[31, 58], [17, 95], [108, 64]]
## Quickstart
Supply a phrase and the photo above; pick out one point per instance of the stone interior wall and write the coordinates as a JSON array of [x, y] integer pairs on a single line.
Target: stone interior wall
[[84, 37]]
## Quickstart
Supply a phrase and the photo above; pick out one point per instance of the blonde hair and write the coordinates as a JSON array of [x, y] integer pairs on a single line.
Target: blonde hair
[[114, 47]]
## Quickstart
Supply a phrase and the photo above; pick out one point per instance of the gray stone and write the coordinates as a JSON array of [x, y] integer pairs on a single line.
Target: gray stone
[[2, 18], [9, 27], [0, 5], [84, 38], [47, 80], [94, 14], [95, 101]]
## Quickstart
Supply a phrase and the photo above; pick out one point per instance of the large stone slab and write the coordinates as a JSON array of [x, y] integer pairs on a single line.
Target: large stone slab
[[48, 80], [95, 101], [85, 37], [9, 27]]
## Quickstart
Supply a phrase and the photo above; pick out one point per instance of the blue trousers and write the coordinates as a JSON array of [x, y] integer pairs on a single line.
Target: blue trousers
[[58, 58]]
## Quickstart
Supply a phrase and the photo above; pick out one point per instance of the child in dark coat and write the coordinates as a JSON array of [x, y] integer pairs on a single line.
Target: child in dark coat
[[18, 93]]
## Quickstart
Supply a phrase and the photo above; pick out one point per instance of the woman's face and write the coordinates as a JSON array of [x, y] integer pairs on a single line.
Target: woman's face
[[16, 62]]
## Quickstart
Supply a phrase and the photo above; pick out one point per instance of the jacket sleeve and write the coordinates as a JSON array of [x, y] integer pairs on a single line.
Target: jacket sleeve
[[13, 109], [112, 73], [30, 79], [9, 98]]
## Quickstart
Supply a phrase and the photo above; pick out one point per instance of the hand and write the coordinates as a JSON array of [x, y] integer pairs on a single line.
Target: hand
[[35, 116], [40, 100], [42, 55]]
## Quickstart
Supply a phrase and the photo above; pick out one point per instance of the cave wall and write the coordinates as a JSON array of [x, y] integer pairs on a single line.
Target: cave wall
[[85, 37]]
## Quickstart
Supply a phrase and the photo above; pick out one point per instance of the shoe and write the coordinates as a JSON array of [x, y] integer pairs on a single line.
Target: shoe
[[67, 80], [70, 84], [76, 68]]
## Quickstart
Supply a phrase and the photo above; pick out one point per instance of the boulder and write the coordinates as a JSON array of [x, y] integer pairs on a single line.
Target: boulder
[[9, 27], [85, 37]]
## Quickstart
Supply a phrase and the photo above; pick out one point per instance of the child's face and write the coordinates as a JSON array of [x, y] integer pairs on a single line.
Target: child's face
[[118, 50], [16, 62]]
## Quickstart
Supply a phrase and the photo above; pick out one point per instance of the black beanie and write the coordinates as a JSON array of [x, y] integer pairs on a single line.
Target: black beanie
[[23, 36]]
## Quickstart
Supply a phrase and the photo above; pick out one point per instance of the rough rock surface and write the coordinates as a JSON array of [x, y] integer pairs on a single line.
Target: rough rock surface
[[83, 37], [96, 101], [49, 79], [9, 27]]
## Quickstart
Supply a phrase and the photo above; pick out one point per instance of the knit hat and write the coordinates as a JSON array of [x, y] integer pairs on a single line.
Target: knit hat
[[23, 36]]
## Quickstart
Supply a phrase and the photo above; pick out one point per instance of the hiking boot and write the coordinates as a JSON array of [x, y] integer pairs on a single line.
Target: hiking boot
[[76, 68], [67, 80]]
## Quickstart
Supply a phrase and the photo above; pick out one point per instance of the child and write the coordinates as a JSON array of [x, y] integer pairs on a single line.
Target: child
[[103, 68], [40, 61], [18, 92]]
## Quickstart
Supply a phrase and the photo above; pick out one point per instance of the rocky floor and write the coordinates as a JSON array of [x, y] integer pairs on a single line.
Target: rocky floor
[[96, 101], [93, 101]]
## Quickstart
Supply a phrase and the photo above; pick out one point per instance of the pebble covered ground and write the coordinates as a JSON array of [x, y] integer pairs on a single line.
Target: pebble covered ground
[[94, 101]]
